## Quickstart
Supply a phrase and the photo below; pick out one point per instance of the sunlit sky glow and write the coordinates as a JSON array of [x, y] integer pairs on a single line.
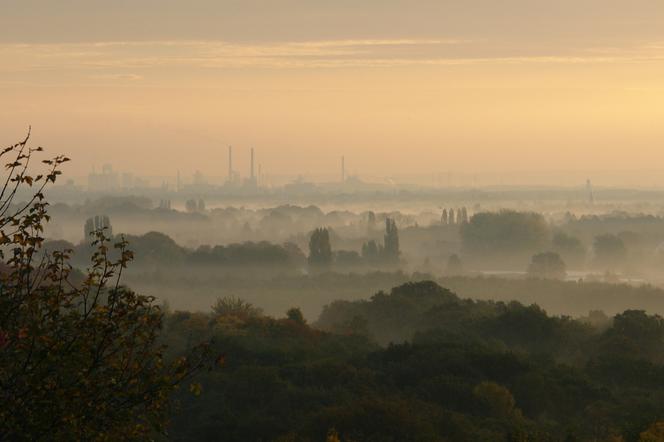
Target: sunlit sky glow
[[419, 87]]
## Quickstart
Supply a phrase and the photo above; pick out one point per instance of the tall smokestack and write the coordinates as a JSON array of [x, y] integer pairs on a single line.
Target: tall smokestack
[[343, 169], [589, 190], [230, 164], [252, 164]]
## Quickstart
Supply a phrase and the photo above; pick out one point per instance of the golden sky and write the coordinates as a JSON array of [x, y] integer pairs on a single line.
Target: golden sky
[[474, 86]]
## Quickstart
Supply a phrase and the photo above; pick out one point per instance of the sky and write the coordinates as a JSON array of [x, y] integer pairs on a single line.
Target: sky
[[511, 89]]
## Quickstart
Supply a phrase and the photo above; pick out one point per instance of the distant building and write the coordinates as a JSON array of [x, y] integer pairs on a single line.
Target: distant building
[[105, 181], [199, 179], [97, 223]]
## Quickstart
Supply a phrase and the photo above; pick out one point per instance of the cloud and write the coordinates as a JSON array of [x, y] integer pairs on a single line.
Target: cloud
[[118, 77], [108, 60]]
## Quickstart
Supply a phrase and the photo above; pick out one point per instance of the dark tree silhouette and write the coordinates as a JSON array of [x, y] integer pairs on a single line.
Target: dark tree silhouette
[[505, 232], [79, 358], [320, 250], [463, 215], [547, 265], [570, 248], [391, 247], [370, 251], [610, 251], [295, 315]]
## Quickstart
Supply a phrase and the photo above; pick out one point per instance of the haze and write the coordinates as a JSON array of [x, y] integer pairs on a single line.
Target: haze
[[332, 220], [480, 88]]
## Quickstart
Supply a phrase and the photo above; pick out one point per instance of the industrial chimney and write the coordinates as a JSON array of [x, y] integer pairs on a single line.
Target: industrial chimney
[[251, 174], [343, 169], [230, 164], [589, 191]]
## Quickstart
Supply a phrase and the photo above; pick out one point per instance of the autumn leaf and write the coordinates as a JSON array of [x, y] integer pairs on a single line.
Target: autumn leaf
[[196, 389]]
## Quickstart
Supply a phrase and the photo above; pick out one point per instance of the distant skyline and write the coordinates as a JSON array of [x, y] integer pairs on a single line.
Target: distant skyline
[[475, 87], [645, 179]]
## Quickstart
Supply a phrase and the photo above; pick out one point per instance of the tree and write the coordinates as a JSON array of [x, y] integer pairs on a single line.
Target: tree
[[232, 306], [654, 433], [156, 247], [391, 247], [295, 255], [332, 436], [295, 315], [191, 205], [636, 334], [370, 250], [320, 250], [547, 265], [79, 360], [505, 232], [463, 215], [451, 219], [610, 251], [371, 222], [570, 248], [497, 399]]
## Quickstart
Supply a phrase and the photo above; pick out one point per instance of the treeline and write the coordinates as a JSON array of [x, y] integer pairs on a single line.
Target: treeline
[[616, 242], [574, 298], [194, 223], [456, 370], [374, 254], [158, 249], [278, 290], [504, 240]]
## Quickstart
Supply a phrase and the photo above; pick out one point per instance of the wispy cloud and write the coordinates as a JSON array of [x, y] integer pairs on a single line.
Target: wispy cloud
[[164, 52], [117, 77], [109, 60]]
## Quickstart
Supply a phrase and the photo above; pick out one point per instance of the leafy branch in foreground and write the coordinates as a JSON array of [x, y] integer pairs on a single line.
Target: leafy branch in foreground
[[79, 356]]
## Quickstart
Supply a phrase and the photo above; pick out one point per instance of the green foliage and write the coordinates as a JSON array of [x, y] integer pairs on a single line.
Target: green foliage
[[79, 357], [497, 399], [383, 255], [320, 250], [575, 298], [655, 433], [610, 251], [371, 251], [427, 310], [246, 254], [391, 247], [570, 248], [505, 232], [232, 306], [295, 315], [547, 265], [155, 249], [464, 371], [636, 334]]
